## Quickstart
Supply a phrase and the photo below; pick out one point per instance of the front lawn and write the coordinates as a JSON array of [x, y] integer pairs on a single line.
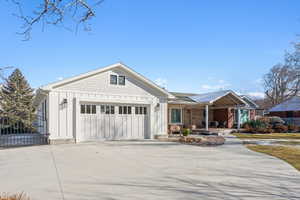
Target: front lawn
[[268, 136], [289, 154]]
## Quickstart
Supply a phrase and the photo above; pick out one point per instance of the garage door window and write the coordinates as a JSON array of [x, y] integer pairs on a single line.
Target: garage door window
[[82, 109], [125, 110], [141, 110], [88, 109], [94, 109]]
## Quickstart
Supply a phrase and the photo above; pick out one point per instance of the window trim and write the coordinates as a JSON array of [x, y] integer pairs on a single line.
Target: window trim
[[170, 116]]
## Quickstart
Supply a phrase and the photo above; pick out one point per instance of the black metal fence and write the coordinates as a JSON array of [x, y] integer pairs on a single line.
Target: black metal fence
[[14, 134]]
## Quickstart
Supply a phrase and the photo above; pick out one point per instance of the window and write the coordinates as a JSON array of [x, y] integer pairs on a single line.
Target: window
[[125, 110], [289, 114], [88, 109], [102, 109], [107, 110], [82, 109], [117, 80], [93, 109], [121, 80], [112, 110], [176, 116], [113, 79], [141, 110]]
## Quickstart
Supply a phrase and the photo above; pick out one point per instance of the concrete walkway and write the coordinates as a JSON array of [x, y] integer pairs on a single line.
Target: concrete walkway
[[146, 170]]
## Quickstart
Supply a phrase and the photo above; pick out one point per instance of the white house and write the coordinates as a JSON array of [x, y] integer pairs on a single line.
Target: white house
[[114, 102]]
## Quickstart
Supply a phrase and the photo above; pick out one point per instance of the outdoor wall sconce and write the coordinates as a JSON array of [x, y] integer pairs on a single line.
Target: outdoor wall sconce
[[65, 101]]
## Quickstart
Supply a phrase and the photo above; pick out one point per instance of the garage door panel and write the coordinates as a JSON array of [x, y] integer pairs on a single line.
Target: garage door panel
[[113, 121]]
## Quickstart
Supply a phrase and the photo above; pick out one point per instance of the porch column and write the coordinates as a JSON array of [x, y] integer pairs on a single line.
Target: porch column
[[206, 117], [239, 118]]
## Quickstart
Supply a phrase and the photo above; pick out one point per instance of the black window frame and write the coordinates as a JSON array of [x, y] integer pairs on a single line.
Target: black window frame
[[107, 109], [125, 110], [113, 79], [94, 109], [112, 110], [88, 109], [121, 80], [102, 109], [136, 110], [82, 109]]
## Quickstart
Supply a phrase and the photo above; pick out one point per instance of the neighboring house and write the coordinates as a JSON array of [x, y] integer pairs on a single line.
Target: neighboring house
[[222, 107], [289, 110], [116, 102], [249, 111]]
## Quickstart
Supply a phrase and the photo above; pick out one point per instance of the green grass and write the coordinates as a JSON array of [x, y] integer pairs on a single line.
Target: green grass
[[268, 136], [288, 142], [289, 154]]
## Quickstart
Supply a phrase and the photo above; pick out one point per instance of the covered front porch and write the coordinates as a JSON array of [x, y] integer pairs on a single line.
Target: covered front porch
[[208, 111]]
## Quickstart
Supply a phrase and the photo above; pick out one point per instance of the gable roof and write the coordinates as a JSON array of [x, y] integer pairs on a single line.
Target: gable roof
[[182, 98], [250, 102], [292, 104], [211, 97], [205, 98], [100, 70]]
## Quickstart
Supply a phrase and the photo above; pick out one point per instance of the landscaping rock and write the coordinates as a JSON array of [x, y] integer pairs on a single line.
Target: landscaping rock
[[205, 140]]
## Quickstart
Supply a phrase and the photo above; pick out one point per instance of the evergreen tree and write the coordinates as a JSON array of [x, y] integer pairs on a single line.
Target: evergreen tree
[[16, 100]]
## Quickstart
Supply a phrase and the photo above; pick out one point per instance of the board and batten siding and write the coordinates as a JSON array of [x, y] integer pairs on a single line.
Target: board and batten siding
[[63, 118]]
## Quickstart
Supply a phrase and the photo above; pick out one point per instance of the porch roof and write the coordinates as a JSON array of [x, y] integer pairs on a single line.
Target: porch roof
[[224, 97]]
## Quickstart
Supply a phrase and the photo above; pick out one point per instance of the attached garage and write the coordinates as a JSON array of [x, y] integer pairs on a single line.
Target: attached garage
[[111, 103], [114, 121]]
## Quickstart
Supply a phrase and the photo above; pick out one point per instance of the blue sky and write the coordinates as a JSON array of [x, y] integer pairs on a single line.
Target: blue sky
[[187, 45]]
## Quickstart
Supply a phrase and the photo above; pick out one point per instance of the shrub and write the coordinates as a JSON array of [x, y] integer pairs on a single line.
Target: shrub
[[293, 128], [255, 124], [186, 132], [279, 128]]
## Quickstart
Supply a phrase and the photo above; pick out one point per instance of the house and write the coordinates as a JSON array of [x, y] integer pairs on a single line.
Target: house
[[214, 109], [250, 110], [116, 102], [288, 110]]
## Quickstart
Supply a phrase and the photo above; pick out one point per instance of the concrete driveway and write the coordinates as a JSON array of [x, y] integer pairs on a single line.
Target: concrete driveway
[[145, 170]]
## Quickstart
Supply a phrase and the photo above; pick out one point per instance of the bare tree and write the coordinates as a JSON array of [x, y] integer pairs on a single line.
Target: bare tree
[[55, 12], [283, 80]]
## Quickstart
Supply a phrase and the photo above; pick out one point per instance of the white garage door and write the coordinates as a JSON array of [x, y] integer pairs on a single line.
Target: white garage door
[[113, 122]]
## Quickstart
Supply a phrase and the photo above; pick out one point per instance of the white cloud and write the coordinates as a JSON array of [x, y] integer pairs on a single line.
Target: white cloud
[[256, 95], [220, 85], [161, 82], [60, 78]]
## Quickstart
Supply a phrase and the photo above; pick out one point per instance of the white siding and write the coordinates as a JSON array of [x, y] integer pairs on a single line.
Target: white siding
[[100, 83], [63, 119]]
